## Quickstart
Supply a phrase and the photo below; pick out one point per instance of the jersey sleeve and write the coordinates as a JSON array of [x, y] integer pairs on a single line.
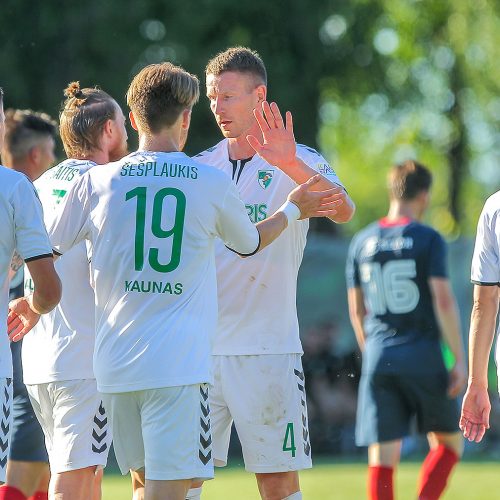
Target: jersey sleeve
[[317, 162], [71, 223], [437, 267], [233, 225], [32, 241], [352, 268], [485, 269]]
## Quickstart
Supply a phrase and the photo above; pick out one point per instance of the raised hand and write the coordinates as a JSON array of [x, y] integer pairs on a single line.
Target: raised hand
[[316, 203], [279, 146], [475, 416], [21, 318]]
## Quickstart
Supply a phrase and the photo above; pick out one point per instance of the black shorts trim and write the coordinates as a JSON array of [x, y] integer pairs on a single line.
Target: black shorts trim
[[247, 254], [37, 257], [482, 283]]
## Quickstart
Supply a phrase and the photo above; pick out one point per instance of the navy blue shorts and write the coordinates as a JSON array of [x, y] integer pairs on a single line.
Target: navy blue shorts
[[27, 439], [389, 402]]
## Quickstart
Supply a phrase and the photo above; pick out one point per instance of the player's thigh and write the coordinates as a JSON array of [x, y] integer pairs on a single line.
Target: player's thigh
[[267, 400], [383, 412], [5, 424], [176, 431], [220, 416], [124, 414], [435, 411], [81, 433]]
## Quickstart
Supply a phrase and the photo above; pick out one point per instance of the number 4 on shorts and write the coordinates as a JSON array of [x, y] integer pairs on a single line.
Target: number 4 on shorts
[[289, 439]]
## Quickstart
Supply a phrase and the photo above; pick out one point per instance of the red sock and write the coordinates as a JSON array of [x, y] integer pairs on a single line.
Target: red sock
[[435, 471], [11, 493], [40, 495], [380, 486]]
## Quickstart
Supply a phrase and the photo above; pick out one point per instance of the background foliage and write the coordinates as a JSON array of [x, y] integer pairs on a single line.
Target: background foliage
[[369, 81]]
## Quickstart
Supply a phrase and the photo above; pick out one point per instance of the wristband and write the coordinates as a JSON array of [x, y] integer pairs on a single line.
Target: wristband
[[291, 210]]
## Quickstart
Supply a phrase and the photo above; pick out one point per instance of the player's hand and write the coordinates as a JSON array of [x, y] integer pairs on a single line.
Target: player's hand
[[316, 203], [279, 146], [475, 416], [457, 380], [21, 318]]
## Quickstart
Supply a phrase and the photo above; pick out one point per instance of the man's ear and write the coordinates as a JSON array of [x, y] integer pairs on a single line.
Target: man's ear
[[261, 92], [34, 154], [132, 120], [186, 118]]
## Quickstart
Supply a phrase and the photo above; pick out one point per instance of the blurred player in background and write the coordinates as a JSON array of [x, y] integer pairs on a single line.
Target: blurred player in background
[[23, 231], [152, 219], [259, 380], [28, 148], [57, 355], [401, 306], [485, 274]]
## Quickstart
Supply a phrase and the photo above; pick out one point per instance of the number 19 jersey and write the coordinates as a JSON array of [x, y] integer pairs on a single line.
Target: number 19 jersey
[[152, 219], [392, 263]]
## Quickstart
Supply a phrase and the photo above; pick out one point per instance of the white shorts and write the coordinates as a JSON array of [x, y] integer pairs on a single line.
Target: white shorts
[[73, 420], [5, 424], [265, 396], [166, 431]]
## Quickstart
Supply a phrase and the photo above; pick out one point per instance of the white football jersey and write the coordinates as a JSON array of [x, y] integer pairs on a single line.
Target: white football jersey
[[152, 219], [61, 345], [21, 220], [257, 295]]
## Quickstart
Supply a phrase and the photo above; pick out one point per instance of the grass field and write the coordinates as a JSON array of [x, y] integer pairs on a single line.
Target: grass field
[[471, 481]]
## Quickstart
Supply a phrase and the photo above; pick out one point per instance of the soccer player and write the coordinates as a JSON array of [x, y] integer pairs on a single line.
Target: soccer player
[[57, 355], [401, 306], [28, 148], [23, 230], [485, 274], [257, 350], [152, 219]]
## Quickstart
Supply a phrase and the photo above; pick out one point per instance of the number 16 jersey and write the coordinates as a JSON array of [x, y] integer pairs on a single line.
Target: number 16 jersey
[[392, 262]]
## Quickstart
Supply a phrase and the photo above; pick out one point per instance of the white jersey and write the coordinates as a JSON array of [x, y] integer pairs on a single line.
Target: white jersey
[[21, 220], [61, 345], [257, 296], [152, 219]]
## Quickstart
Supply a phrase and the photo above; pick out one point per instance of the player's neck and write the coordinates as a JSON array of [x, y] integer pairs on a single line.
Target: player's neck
[[166, 143], [238, 147], [25, 169], [399, 210], [97, 156]]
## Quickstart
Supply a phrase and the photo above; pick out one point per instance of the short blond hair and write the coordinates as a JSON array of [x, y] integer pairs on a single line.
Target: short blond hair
[[159, 93]]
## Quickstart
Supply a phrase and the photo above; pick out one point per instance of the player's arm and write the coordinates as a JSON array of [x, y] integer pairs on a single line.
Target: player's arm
[[446, 311], [357, 313], [241, 236], [279, 149], [476, 406]]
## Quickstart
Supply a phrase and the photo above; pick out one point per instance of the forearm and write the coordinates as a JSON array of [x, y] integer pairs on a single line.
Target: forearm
[[449, 324], [357, 313], [300, 172], [481, 333], [270, 228]]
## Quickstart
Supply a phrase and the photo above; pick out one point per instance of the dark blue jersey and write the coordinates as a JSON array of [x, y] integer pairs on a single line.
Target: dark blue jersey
[[392, 264]]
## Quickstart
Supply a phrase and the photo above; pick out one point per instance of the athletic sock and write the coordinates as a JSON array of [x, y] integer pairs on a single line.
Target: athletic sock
[[194, 494], [10, 493], [435, 471], [294, 496], [380, 484], [40, 495]]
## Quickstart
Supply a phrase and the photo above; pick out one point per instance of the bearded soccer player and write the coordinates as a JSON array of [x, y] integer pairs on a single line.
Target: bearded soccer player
[[257, 351], [152, 219], [23, 230], [57, 355], [28, 148], [401, 305]]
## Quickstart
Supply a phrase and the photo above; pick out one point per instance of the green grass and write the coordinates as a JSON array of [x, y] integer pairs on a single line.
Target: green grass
[[471, 481]]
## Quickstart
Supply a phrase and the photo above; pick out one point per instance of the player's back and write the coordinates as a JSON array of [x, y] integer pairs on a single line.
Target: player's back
[[153, 218], [392, 264]]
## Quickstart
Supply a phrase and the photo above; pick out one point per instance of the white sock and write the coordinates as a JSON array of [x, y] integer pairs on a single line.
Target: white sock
[[294, 496], [195, 494]]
